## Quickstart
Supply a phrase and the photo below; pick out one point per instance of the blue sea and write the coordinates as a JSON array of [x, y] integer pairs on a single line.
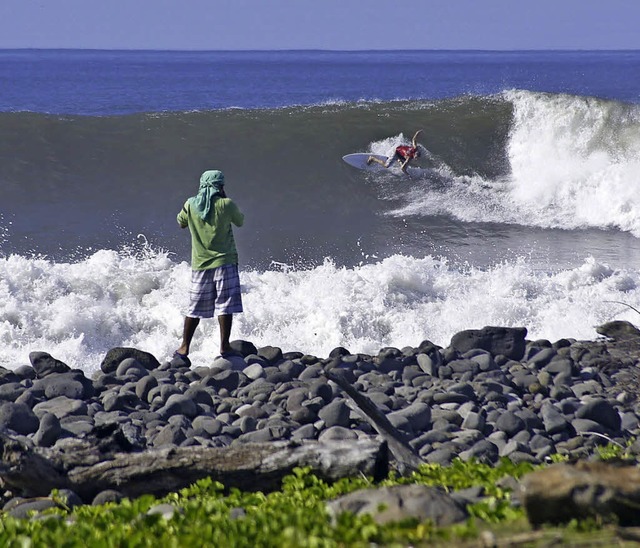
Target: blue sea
[[526, 211]]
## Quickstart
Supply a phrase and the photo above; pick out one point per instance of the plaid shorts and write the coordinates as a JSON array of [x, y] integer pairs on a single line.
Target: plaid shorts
[[215, 291]]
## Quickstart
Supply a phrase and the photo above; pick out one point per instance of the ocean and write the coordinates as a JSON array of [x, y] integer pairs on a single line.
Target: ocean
[[527, 212]]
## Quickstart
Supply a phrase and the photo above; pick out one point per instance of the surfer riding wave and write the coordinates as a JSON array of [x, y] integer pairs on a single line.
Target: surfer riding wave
[[403, 154]]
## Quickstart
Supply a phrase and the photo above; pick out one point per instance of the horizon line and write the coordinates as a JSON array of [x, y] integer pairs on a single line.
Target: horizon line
[[320, 50]]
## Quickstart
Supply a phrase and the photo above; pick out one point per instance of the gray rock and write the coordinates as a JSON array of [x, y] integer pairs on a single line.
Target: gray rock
[[166, 511], [602, 412], [62, 385], [243, 347], [11, 391], [583, 426], [131, 366], [427, 364], [121, 401], [418, 414], [475, 421], [144, 385], [508, 341], [510, 423], [18, 417], [554, 421], [26, 507], [44, 364], [337, 433], [272, 354], [483, 451], [207, 426], [335, 414], [48, 430], [305, 432], [106, 496], [228, 380], [170, 435], [25, 372], [401, 502], [442, 455], [254, 371], [68, 497], [115, 356]]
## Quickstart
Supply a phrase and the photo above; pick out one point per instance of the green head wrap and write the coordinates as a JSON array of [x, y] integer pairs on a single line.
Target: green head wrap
[[211, 183]]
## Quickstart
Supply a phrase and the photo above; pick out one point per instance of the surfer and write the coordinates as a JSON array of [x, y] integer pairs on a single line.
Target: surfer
[[215, 283], [403, 154]]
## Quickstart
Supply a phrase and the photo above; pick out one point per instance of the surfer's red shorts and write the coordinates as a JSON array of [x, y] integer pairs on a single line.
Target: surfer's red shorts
[[214, 292]]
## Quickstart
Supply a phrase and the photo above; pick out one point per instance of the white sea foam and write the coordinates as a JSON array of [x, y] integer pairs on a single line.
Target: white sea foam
[[78, 311], [574, 163]]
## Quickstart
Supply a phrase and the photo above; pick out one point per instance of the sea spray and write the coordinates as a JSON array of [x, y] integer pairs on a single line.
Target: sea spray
[[78, 311]]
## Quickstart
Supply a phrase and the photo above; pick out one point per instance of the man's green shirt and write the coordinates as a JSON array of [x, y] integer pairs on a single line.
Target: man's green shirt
[[212, 243]]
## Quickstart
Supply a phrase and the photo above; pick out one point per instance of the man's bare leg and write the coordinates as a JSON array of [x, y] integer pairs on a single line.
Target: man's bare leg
[[190, 325], [225, 321], [371, 159]]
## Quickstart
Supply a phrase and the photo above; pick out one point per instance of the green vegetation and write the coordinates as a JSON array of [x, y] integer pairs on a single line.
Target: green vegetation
[[294, 516]]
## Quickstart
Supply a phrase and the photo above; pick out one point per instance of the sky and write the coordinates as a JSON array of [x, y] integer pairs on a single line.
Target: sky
[[320, 24]]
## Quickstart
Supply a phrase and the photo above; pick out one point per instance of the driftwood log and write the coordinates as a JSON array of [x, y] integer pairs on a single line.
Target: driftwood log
[[80, 466], [406, 459]]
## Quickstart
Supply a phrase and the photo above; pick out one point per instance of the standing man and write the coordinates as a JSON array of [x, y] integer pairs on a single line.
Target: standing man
[[215, 283]]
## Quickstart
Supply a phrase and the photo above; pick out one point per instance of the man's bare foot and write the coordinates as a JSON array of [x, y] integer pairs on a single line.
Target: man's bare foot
[[369, 160]]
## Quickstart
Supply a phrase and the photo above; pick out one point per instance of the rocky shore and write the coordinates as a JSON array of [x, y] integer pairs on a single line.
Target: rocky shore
[[490, 394]]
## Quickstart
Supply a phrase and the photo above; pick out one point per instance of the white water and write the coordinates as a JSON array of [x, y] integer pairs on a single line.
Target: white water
[[574, 163], [78, 311]]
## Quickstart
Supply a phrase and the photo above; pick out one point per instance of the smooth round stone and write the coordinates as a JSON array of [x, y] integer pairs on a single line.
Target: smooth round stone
[[254, 371], [106, 496], [179, 404], [510, 423], [24, 508], [335, 414], [337, 433], [207, 426], [554, 421], [602, 412], [442, 455], [48, 431], [168, 436], [131, 366], [474, 421], [450, 397], [583, 426], [11, 391], [483, 451], [19, 418], [247, 424]]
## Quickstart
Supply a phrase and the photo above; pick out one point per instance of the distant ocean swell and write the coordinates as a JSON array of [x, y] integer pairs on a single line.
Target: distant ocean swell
[[519, 157]]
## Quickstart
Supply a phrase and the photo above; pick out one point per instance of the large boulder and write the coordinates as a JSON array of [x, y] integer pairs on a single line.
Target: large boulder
[[506, 341], [115, 356], [563, 492], [401, 502]]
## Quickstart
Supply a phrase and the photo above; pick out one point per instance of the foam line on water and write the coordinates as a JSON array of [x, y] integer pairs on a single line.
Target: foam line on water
[[78, 311]]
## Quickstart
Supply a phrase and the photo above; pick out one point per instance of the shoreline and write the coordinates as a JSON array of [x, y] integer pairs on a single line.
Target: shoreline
[[490, 394]]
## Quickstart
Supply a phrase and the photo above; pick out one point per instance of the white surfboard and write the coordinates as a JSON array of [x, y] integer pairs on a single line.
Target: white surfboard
[[359, 160]]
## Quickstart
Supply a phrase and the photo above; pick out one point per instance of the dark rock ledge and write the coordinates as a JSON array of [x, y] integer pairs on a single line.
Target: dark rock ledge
[[490, 394]]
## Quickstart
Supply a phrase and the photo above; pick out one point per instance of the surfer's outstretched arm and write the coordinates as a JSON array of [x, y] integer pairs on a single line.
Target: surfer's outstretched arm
[[414, 142]]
